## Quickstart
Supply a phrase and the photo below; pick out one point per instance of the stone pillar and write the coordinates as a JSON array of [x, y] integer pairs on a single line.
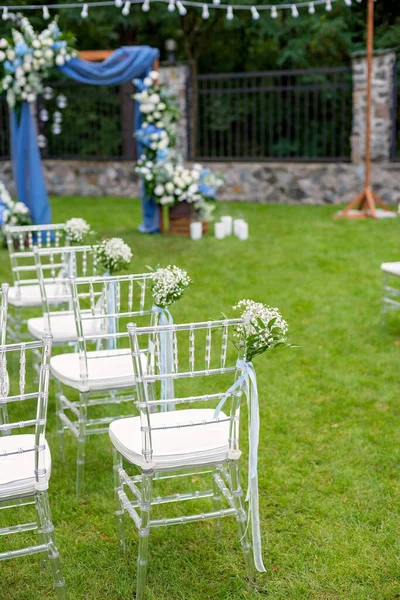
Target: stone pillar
[[381, 111], [175, 77]]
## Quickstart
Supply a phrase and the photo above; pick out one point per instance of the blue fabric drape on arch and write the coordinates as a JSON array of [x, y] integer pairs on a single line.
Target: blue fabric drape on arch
[[125, 64]]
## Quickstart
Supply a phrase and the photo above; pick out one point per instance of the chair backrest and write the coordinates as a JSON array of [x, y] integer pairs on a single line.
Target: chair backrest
[[25, 398], [55, 266], [21, 241], [199, 350], [3, 312], [103, 306]]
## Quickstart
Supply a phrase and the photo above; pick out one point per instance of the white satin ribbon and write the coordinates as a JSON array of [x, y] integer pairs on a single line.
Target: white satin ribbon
[[166, 357], [249, 380]]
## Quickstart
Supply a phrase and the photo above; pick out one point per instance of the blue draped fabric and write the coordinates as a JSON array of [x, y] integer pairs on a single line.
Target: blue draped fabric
[[125, 64]]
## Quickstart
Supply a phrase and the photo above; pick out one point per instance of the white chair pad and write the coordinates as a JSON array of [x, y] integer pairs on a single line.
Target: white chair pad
[[17, 472], [193, 445], [392, 268], [63, 328], [107, 369], [29, 295]]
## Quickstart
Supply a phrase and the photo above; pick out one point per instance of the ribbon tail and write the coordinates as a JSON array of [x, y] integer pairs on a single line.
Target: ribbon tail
[[254, 515], [166, 351]]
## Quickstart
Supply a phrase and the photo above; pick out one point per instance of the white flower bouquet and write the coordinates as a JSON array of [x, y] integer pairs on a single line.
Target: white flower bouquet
[[77, 230], [264, 328], [15, 213], [169, 285], [27, 57], [113, 254]]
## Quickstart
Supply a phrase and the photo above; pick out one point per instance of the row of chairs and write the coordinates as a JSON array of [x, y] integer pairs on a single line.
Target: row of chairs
[[183, 384]]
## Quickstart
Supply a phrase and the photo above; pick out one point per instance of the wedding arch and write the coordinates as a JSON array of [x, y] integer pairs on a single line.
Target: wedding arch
[[121, 66]]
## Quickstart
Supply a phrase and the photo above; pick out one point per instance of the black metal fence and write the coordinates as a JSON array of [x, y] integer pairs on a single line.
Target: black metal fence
[[395, 145], [301, 115], [97, 123]]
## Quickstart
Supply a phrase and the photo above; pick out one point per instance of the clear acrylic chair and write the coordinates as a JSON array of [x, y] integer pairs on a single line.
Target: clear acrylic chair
[[25, 292], [25, 460], [391, 294], [54, 266], [197, 438], [101, 371]]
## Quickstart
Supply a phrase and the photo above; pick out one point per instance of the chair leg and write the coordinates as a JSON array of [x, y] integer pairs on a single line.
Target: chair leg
[[119, 511], [243, 524], [217, 504], [80, 463], [47, 533], [60, 425], [144, 532]]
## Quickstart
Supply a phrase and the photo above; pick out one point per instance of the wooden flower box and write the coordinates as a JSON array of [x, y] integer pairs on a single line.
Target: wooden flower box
[[176, 219]]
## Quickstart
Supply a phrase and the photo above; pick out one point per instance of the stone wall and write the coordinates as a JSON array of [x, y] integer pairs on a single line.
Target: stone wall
[[285, 183]]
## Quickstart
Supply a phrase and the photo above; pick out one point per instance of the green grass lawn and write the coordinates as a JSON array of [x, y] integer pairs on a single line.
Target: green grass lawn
[[329, 447]]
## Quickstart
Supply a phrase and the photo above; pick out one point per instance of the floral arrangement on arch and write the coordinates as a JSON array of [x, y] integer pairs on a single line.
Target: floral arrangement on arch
[[170, 183], [14, 213], [27, 57]]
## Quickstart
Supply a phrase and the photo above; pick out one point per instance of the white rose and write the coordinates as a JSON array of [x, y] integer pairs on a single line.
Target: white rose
[[146, 108], [153, 146], [159, 190], [154, 75], [163, 144], [42, 61], [49, 54], [148, 81], [144, 124], [161, 106], [169, 187], [157, 115], [154, 98], [60, 60], [3, 43], [160, 124], [2, 56], [31, 98], [10, 54], [36, 44], [165, 200], [154, 136], [27, 67]]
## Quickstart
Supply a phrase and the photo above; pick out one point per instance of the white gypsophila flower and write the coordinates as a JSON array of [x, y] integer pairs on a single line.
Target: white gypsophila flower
[[21, 208], [77, 229], [114, 254], [263, 328], [168, 285]]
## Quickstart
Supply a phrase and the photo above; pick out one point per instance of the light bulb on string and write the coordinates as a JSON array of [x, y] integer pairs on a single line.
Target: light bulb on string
[[254, 13], [328, 5], [4, 15], [229, 13], [311, 8], [274, 12], [216, 2], [347, 2], [295, 12], [126, 9], [181, 9], [205, 13], [46, 14], [85, 11], [146, 6], [118, 3], [171, 5]]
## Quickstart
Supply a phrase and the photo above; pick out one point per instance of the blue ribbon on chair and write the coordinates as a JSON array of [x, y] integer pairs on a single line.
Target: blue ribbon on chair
[[166, 356], [248, 379], [111, 310]]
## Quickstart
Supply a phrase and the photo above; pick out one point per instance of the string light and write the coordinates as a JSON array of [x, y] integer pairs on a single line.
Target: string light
[[205, 13], [217, 2], [229, 13], [311, 8], [171, 5], [295, 12], [118, 3], [46, 14], [4, 16], [328, 5], [85, 11], [274, 12], [181, 9], [254, 13], [146, 6], [347, 2], [126, 9]]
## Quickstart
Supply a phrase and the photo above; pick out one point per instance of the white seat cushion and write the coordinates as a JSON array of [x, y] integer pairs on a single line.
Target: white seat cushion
[[17, 472], [192, 445], [107, 370], [63, 328], [29, 295], [393, 268]]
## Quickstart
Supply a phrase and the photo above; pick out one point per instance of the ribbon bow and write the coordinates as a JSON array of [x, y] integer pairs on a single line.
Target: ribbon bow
[[248, 379]]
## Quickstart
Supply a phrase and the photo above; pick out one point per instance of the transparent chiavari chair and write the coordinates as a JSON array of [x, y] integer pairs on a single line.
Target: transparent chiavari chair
[[3, 336], [197, 438], [25, 460], [25, 292], [55, 265], [391, 294], [100, 373]]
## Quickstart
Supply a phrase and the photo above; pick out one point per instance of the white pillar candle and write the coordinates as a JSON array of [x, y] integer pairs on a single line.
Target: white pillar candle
[[196, 230], [244, 231], [236, 226], [219, 230], [227, 221]]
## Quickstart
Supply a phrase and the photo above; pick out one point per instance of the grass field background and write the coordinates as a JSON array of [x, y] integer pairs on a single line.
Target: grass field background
[[330, 413]]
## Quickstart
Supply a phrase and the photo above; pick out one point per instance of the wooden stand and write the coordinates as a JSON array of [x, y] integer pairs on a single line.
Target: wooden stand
[[363, 205], [179, 218]]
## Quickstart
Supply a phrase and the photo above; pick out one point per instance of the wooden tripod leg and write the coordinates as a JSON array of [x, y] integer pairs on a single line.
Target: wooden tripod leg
[[370, 202], [359, 199], [380, 201]]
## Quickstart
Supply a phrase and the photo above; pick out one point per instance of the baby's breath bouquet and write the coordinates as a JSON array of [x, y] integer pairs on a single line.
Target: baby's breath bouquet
[[77, 230], [168, 285], [113, 254], [263, 328]]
